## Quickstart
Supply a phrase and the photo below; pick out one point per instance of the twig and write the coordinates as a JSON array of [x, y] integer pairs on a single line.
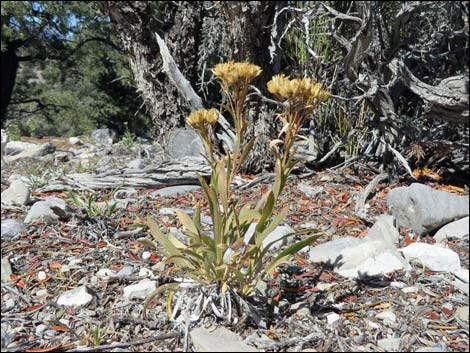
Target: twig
[[128, 233], [361, 202], [257, 181], [13, 290], [126, 345]]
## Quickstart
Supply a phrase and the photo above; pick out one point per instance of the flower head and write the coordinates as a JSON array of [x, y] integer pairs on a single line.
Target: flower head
[[203, 117], [232, 73], [303, 89]]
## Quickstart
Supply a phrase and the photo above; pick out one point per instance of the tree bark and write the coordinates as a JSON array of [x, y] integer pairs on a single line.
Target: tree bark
[[136, 22], [197, 38]]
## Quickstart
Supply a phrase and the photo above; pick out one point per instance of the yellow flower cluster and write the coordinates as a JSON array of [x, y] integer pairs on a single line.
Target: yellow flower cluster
[[203, 117], [232, 73], [298, 88]]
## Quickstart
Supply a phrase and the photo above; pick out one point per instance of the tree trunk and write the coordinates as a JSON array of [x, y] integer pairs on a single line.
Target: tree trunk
[[10, 64], [136, 23], [197, 38]]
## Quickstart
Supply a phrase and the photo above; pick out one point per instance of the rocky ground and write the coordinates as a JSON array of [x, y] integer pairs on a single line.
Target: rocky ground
[[75, 273]]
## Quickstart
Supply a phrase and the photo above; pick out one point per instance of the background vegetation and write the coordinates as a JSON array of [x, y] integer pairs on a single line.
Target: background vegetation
[[398, 71]]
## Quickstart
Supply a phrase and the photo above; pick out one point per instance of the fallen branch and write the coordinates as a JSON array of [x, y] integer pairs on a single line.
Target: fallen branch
[[126, 345], [169, 173], [361, 201]]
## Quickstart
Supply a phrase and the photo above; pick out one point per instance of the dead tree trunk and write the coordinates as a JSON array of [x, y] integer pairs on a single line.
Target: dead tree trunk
[[180, 22], [197, 37]]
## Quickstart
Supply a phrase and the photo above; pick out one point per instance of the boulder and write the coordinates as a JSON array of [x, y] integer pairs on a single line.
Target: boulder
[[33, 152], [454, 230], [17, 194], [4, 142], [41, 211], [11, 228], [136, 164], [75, 141], [184, 143], [103, 136], [78, 297], [49, 210], [175, 190], [353, 257], [140, 290], [425, 209], [278, 233], [434, 257], [14, 147], [153, 151], [219, 340], [384, 230]]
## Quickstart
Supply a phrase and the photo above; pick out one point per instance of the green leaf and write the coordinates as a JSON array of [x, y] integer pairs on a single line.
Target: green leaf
[[178, 244], [187, 222], [283, 255], [272, 226], [222, 183], [158, 291], [266, 213], [148, 243], [169, 249], [247, 215]]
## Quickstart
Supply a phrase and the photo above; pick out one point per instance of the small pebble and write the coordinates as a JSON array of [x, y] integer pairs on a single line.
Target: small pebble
[[78, 297], [41, 293], [73, 262], [105, 273], [398, 285], [42, 275], [448, 306], [325, 286], [462, 313], [389, 344], [332, 318], [10, 303], [409, 290], [145, 272], [50, 333], [126, 271], [373, 324], [387, 316], [40, 329]]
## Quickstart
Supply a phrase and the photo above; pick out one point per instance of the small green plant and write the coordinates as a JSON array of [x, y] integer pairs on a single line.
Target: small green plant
[[97, 334], [352, 130], [128, 138], [92, 207], [233, 260]]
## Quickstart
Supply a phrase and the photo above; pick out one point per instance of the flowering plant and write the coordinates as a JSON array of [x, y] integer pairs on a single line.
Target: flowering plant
[[234, 256]]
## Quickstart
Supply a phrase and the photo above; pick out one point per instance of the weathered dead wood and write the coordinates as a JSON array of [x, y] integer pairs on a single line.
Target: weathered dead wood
[[447, 101], [169, 173], [360, 209], [186, 90], [127, 344]]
